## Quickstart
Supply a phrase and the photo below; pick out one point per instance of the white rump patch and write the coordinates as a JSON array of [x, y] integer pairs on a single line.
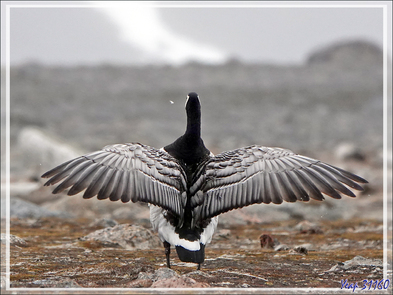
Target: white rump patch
[[166, 231]]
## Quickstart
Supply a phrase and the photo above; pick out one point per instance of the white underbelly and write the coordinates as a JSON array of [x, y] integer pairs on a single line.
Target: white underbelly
[[166, 231]]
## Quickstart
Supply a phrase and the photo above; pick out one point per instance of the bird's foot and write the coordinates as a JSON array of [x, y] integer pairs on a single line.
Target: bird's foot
[[167, 247]]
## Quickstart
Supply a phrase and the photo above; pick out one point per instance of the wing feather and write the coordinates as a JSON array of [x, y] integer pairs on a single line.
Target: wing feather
[[118, 188], [343, 178], [62, 171], [126, 195], [106, 188], [287, 191], [84, 179], [57, 169], [71, 179], [297, 187], [96, 184], [126, 172], [266, 196], [258, 174], [333, 181], [133, 186]]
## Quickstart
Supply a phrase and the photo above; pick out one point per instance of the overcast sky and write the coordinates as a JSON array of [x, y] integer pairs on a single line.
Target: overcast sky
[[104, 32]]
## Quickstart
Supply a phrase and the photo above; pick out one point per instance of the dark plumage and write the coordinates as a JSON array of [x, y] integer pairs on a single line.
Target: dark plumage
[[187, 187]]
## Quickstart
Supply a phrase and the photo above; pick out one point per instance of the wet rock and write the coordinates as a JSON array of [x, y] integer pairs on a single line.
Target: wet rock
[[14, 240], [130, 237], [307, 227], [24, 209], [357, 261]]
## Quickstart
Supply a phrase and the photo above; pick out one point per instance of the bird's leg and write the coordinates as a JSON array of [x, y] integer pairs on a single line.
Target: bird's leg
[[199, 266], [167, 253]]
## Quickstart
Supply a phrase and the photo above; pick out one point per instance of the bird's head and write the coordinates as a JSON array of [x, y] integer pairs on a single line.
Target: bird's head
[[193, 104]]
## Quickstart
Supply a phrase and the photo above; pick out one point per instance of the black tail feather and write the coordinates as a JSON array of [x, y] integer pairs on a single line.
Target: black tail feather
[[186, 255]]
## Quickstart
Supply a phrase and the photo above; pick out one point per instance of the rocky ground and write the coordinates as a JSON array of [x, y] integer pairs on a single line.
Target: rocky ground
[[78, 253]]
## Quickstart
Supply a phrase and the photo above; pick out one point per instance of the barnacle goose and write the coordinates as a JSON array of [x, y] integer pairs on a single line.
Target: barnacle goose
[[187, 187]]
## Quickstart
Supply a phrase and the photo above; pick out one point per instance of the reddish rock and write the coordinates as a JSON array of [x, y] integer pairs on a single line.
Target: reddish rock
[[179, 282], [140, 283], [267, 241]]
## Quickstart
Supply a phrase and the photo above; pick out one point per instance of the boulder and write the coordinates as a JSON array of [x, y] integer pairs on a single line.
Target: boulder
[[348, 53], [356, 262], [23, 209], [130, 237], [40, 152]]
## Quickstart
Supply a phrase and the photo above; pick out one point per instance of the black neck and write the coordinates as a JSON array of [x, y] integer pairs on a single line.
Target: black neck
[[189, 148], [193, 125]]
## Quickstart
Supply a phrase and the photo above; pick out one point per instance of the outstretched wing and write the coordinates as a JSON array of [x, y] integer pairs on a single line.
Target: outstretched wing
[[124, 172], [258, 174]]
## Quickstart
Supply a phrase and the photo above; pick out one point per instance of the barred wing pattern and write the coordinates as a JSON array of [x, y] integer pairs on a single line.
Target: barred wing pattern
[[258, 174], [127, 172]]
